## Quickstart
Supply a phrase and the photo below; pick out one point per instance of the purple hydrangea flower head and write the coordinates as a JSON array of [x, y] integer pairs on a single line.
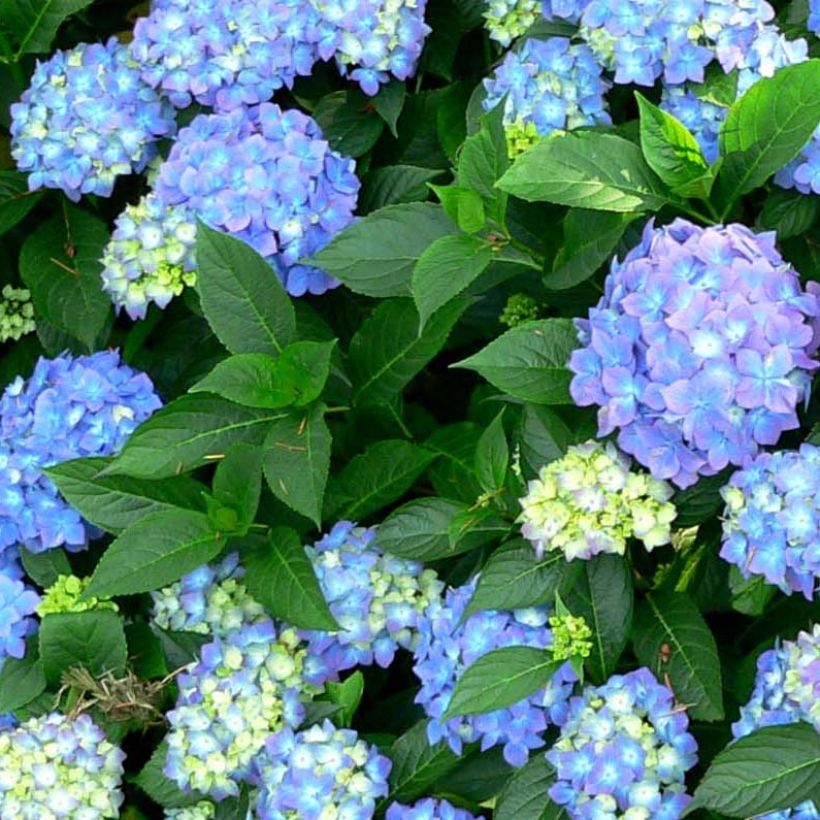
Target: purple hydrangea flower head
[[225, 53], [268, 177], [771, 524], [244, 687], [448, 646], [377, 599], [69, 408], [86, 119], [18, 602], [550, 85], [150, 257], [699, 351], [786, 690], [319, 772], [57, 766], [211, 600], [429, 809], [624, 748]]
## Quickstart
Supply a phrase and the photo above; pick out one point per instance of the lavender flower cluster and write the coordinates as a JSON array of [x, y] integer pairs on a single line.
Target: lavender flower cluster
[[771, 524], [86, 119], [449, 644], [549, 85], [377, 599], [624, 750], [56, 766], [69, 408], [318, 773], [699, 351], [18, 602], [786, 690], [429, 809], [268, 177]]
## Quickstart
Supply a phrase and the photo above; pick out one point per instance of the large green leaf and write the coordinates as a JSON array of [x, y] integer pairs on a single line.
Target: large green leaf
[[529, 361], [21, 680], [15, 198], [525, 797], [241, 295], [773, 768], [115, 502], [238, 482], [34, 23], [376, 255], [544, 437], [349, 122], [453, 474], [394, 185], [688, 660], [586, 169], [155, 551]]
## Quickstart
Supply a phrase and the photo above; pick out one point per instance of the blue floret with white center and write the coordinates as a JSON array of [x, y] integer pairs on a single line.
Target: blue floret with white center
[[429, 809], [623, 752], [318, 773], [448, 647], [771, 523], [377, 599], [69, 408], [268, 177], [700, 350], [86, 119]]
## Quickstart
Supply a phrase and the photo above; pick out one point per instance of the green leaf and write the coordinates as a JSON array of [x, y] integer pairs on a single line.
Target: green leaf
[[602, 595], [590, 237], [389, 103], [160, 788], [115, 502], [238, 482], [153, 552], [790, 213], [492, 457], [750, 595], [44, 568], [525, 797], [60, 264], [349, 122], [767, 127], [479, 777], [179, 648], [16, 201], [394, 185], [376, 255], [376, 478], [282, 579], [241, 295], [668, 146], [21, 680], [347, 695], [445, 269], [514, 578], [453, 473], [544, 437], [94, 639], [417, 764], [189, 432], [717, 87], [463, 205], [670, 619], [296, 377], [34, 23], [388, 350], [586, 169], [773, 768], [296, 460], [501, 678], [701, 501], [476, 527], [529, 361]]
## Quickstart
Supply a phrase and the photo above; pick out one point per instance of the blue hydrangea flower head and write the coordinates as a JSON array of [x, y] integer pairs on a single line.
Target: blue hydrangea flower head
[[268, 177], [550, 86], [448, 646], [786, 690], [699, 351], [623, 751], [69, 408], [377, 599], [16, 313], [319, 772], [814, 17], [211, 600], [771, 523], [225, 53], [150, 257], [429, 809], [18, 602], [245, 686], [590, 501], [507, 20], [57, 766], [86, 119]]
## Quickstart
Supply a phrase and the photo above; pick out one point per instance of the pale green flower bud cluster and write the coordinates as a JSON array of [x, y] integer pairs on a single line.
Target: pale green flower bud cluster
[[521, 135], [520, 308], [589, 502], [507, 20], [16, 313], [64, 596], [570, 637], [204, 810]]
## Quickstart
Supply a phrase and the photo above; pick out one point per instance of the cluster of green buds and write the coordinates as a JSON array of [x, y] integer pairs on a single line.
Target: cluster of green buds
[[571, 637], [520, 308], [521, 135], [507, 20], [589, 502], [16, 313], [64, 596]]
